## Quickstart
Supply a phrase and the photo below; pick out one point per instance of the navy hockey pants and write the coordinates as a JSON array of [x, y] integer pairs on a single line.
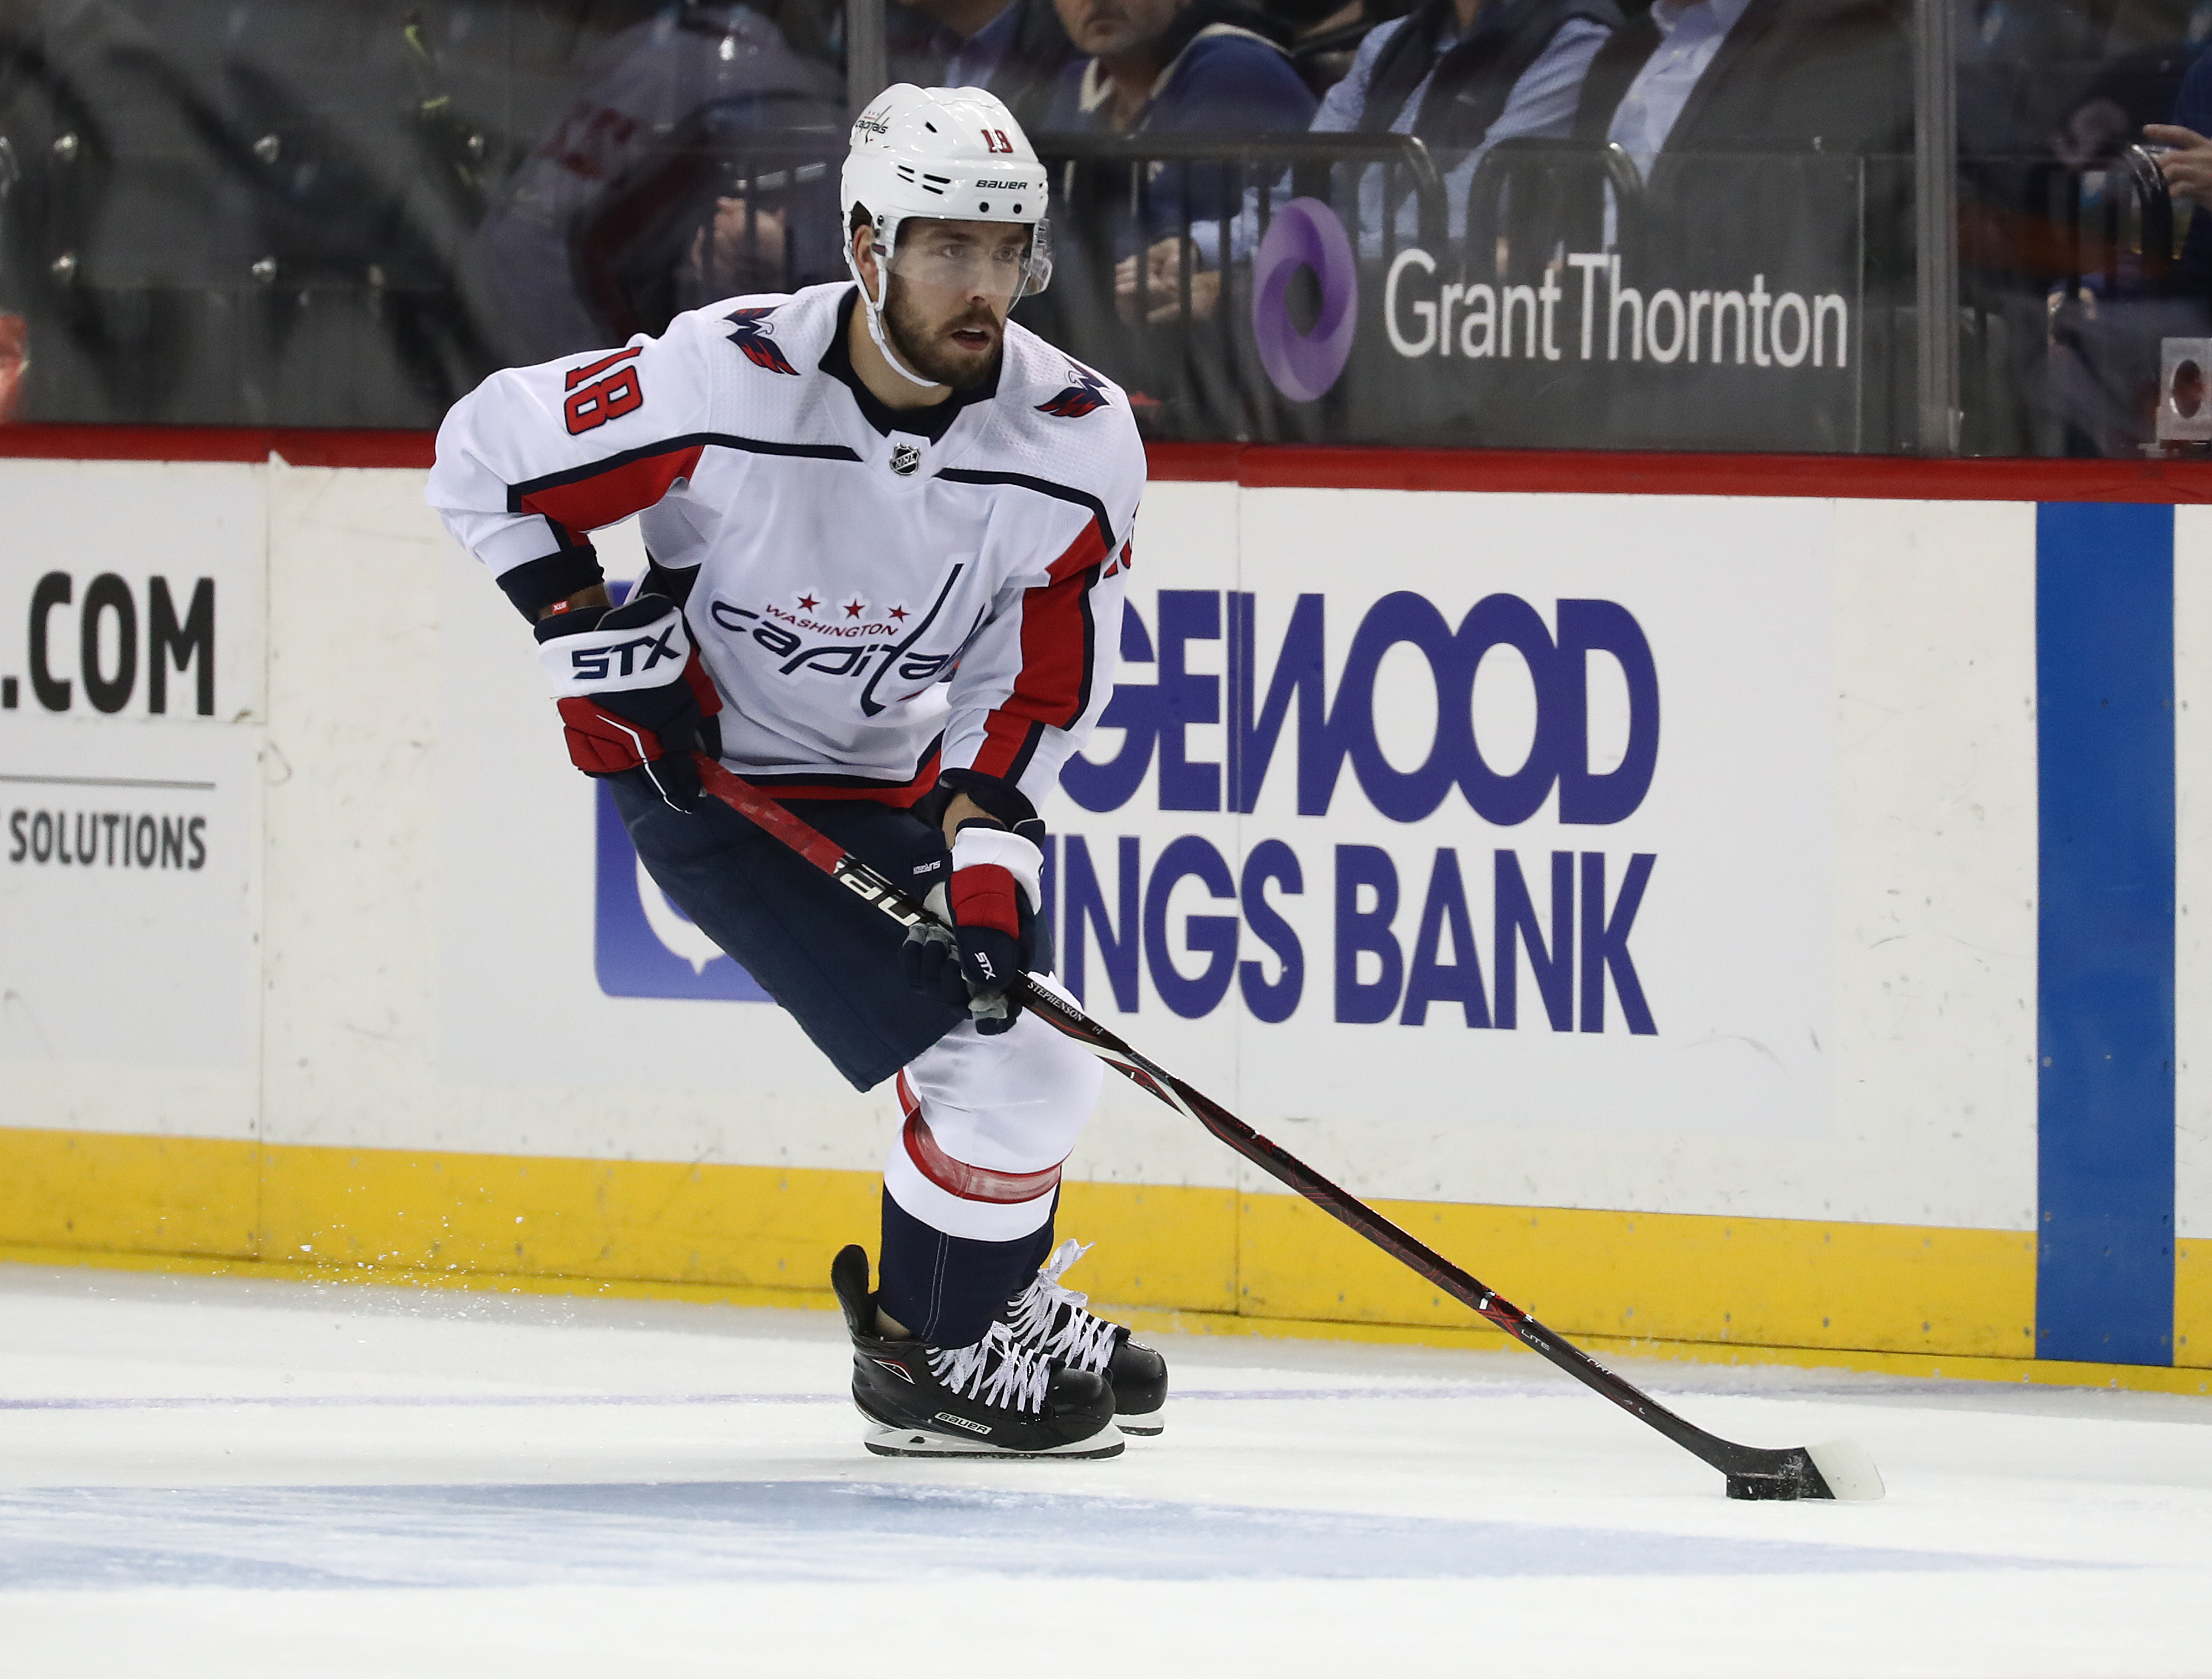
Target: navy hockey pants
[[972, 1178]]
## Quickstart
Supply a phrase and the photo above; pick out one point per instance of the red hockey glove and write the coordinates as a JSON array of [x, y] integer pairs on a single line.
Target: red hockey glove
[[633, 694], [991, 902]]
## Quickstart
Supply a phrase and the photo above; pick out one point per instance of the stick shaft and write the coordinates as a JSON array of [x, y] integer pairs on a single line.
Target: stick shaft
[[1277, 1162]]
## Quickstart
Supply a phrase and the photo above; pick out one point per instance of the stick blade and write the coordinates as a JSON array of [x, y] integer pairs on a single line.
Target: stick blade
[[1848, 1470], [1832, 1469]]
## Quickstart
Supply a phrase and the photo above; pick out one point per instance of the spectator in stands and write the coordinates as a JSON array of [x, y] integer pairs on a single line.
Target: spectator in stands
[[1771, 135], [2187, 165], [1014, 48], [1694, 77], [2099, 375], [1168, 67], [1462, 74], [1177, 67], [1326, 35], [683, 173]]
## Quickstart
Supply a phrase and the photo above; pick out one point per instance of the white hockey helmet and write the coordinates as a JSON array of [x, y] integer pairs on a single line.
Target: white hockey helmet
[[950, 153]]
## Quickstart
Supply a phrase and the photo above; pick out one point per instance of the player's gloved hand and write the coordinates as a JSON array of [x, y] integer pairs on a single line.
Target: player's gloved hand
[[991, 904], [632, 692]]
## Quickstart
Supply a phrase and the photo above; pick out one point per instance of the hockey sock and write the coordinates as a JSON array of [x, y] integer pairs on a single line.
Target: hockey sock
[[946, 1290]]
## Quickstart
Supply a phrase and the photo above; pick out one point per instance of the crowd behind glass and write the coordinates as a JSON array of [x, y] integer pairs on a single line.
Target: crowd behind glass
[[345, 212]]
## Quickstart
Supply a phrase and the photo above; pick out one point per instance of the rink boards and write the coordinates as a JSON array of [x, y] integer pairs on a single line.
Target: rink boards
[[1724, 917]]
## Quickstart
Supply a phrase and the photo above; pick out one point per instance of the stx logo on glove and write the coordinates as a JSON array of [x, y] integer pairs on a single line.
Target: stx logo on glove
[[617, 653], [644, 717], [594, 664]]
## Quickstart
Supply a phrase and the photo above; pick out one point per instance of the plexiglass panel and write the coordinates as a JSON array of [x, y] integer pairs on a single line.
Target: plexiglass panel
[[2082, 267], [1559, 223]]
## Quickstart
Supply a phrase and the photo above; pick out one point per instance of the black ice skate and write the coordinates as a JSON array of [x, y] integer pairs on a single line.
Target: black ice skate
[[991, 1399], [1057, 1322]]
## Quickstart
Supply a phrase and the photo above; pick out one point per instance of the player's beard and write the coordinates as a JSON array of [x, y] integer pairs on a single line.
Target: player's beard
[[930, 350]]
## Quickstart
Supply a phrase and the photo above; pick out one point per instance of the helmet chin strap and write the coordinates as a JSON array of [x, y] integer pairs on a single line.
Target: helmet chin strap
[[875, 312]]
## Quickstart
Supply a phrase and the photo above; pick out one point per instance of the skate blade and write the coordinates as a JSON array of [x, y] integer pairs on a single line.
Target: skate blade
[[1144, 1423], [888, 1442]]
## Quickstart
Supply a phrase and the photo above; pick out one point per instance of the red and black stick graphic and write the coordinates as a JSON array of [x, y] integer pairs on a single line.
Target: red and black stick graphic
[[1836, 1470]]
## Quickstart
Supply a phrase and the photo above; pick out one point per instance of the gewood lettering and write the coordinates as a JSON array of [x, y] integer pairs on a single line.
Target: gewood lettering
[[1738, 326], [1402, 943], [1334, 729], [106, 840]]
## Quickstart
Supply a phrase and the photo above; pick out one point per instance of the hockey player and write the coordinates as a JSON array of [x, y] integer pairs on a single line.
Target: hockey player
[[888, 531]]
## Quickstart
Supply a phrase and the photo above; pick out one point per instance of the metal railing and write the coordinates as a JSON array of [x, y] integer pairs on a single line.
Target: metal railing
[[867, 57], [1936, 223], [1311, 161], [1511, 168]]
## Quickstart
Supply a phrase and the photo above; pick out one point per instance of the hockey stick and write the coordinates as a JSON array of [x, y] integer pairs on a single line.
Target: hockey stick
[[1835, 1470]]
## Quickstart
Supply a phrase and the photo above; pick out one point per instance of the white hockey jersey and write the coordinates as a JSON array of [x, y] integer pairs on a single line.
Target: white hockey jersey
[[875, 605]]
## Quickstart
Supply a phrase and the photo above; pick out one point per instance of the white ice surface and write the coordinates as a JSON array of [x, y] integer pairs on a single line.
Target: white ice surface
[[248, 1479]]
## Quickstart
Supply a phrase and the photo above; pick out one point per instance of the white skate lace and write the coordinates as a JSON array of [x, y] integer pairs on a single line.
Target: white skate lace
[[1056, 1321], [994, 1371]]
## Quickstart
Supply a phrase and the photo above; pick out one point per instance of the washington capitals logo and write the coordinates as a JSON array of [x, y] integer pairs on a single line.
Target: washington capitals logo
[[749, 331], [1086, 396]]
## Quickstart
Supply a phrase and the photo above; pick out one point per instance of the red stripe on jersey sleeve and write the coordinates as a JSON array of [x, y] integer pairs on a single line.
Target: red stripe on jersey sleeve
[[587, 499], [1054, 682]]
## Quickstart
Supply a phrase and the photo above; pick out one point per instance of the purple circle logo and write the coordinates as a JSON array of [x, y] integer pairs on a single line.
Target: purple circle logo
[[1304, 238]]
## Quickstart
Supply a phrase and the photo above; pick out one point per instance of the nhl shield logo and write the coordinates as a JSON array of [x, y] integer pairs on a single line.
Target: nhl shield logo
[[905, 457]]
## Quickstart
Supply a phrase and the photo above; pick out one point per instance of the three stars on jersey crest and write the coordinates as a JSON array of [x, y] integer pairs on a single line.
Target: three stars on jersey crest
[[853, 607]]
